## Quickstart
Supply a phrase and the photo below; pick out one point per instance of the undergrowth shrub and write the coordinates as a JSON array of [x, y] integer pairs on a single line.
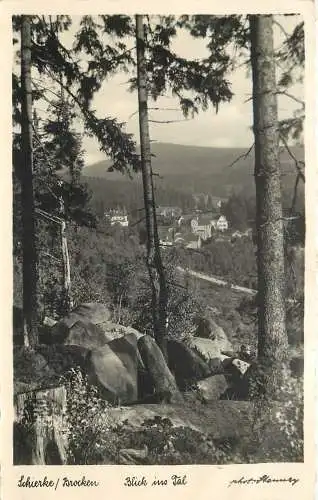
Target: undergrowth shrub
[[87, 422], [169, 445], [280, 427]]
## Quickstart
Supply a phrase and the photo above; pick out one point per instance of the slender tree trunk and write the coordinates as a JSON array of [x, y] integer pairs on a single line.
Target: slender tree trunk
[[66, 271], [154, 261], [272, 337], [67, 303], [28, 218]]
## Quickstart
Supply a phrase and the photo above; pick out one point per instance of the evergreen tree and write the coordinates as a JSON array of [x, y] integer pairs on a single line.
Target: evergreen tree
[[272, 336], [56, 146], [27, 196], [254, 37], [154, 260]]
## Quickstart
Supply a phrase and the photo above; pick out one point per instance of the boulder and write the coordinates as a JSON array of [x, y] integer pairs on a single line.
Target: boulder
[[49, 322], [237, 373], [132, 456], [88, 326], [62, 358], [83, 326], [85, 334], [207, 328], [208, 349], [93, 312], [212, 388], [113, 367], [216, 366], [186, 365], [219, 336], [126, 349], [114, 330], [164, 382], [241, 366]]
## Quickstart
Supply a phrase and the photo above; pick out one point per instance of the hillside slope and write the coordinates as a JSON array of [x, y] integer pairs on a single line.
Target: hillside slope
[[202, 169]]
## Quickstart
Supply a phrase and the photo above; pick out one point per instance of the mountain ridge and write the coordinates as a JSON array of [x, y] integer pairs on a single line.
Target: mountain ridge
[[201, 168]]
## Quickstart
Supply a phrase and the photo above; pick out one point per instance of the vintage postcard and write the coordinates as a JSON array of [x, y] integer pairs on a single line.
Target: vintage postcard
[[159, 290]]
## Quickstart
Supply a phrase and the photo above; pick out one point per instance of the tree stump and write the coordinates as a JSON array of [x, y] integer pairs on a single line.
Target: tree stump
[[39, 437]]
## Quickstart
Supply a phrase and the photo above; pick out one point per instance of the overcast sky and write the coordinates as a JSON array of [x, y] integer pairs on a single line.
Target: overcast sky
[[229, 128]]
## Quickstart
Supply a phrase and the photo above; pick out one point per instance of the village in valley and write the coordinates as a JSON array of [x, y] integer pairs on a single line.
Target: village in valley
[[189, 229]]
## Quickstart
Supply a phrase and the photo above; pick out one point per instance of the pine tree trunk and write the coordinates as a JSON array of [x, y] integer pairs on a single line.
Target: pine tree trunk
[[28, 217], [154, 261], [272, 337]]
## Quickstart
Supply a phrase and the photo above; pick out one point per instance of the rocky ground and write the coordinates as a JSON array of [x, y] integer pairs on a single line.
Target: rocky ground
[[208, 383]]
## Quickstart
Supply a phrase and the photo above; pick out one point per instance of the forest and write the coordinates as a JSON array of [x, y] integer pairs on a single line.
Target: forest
[[119, 358]]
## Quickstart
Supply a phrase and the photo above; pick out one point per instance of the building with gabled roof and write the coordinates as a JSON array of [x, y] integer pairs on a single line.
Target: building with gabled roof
[[203, 224], [166, 236]]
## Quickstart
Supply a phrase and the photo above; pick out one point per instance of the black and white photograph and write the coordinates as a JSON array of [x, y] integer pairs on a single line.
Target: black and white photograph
[[158, 239]]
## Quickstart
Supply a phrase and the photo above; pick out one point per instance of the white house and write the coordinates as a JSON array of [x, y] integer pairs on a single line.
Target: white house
[[169, 211], [220, 223], [122, 220], [117, 216], [203, 225]]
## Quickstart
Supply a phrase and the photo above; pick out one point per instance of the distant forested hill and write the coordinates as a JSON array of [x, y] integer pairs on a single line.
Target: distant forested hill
[[202, 169], [183, 171]]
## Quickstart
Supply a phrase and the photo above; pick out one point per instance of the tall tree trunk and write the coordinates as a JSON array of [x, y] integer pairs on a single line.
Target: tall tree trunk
[[28, 217], [272, 337], [154, 261], [67, 302]]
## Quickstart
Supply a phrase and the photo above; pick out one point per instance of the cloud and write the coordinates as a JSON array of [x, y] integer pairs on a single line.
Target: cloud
[[230, 127]]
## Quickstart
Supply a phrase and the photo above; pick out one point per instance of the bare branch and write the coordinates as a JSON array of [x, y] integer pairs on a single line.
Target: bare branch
[[154, 109], [51, 257], [164, 109], [138, 221], [299, 164], [168, 121], [281, 28], [291, 96], [133, 114], [244, 155], [38, 83], [46, 215], [155, 174], [287, 94]]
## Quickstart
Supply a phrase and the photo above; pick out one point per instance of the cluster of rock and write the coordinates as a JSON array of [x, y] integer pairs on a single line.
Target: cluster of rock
[[128, 366], [130, 369]]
